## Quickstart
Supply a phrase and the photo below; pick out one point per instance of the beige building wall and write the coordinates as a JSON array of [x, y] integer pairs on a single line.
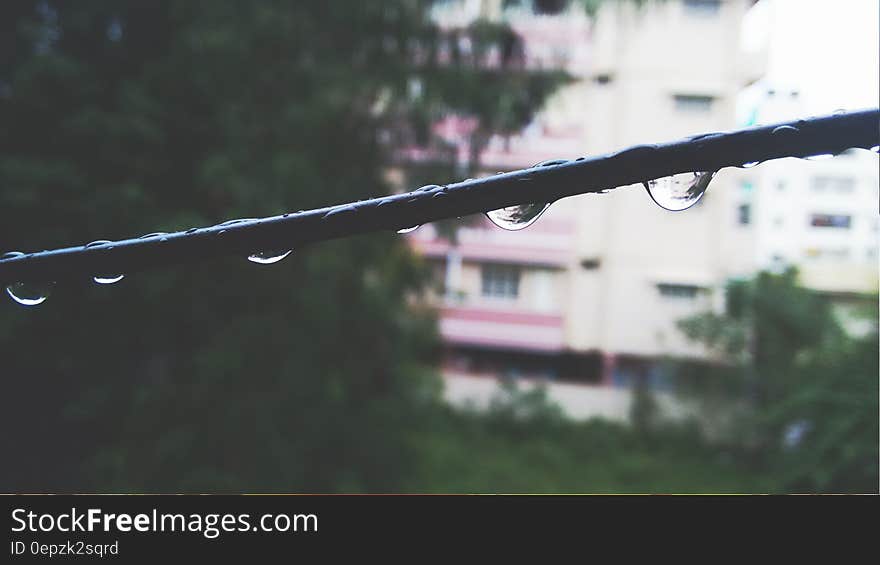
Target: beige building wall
[[655, 73], [639, 69]]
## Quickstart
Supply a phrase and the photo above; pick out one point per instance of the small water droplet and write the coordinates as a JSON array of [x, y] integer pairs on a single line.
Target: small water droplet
[[269, 257], [409, 230], [108, 279], [821, 157], [154, 234], [550, 163], [679, 192], [29, 294], [750, 164], [105, 279], [191, 230], [785, 131], [238, 221]]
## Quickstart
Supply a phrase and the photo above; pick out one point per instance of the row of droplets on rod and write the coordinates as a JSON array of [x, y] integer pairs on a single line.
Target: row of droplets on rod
[[675, 193]]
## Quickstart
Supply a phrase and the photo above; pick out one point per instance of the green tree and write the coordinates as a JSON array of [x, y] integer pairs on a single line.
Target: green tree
[[793, 390], [124, 117]]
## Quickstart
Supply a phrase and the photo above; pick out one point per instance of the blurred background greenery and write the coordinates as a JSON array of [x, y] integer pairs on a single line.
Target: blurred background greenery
[[317, 374]]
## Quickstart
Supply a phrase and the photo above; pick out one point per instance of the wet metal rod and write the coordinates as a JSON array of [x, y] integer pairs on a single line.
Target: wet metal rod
[[830, 134]]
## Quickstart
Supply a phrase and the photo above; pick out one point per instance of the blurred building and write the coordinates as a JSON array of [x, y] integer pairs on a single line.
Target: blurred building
[[592, 292], [820, 215]]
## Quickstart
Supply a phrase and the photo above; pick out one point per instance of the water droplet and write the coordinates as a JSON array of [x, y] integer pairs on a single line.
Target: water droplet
[[233, 222], [750, 164], [876, 149], [409, 230], [679, 192], [154, 234], [108, 279], [12, 254], [517, 217], [523, 215], [29, 294], [191, 230], [550, 163], [821, 157], [268, 257]]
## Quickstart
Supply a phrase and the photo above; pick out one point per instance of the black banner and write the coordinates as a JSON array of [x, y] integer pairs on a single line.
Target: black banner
[[128, 528]]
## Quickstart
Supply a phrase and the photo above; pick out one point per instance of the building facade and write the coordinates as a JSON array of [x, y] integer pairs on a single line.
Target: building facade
[[592, 292], [821, 215]]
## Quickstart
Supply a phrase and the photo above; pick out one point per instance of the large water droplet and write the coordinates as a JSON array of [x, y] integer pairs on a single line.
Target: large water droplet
[[268, 257], [29, 294], [409, 230], [523, 215], [517, 217], [679, 192]]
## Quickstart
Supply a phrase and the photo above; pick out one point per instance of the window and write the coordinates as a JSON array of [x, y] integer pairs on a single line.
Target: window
[[744, 216], [548, 7], [840, 185], [831, 221], [500, 281], [688, 291], [702, 7], [693, 103]]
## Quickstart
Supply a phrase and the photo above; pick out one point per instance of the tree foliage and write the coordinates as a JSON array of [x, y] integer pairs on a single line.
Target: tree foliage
[[127, 117], [794, 390]]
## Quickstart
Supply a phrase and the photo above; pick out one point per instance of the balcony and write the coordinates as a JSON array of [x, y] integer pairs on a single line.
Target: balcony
[[547, 243], [502, 329], [522, 313]]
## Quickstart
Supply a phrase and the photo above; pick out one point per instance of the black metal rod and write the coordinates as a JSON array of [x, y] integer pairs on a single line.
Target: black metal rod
[[707, 152]]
